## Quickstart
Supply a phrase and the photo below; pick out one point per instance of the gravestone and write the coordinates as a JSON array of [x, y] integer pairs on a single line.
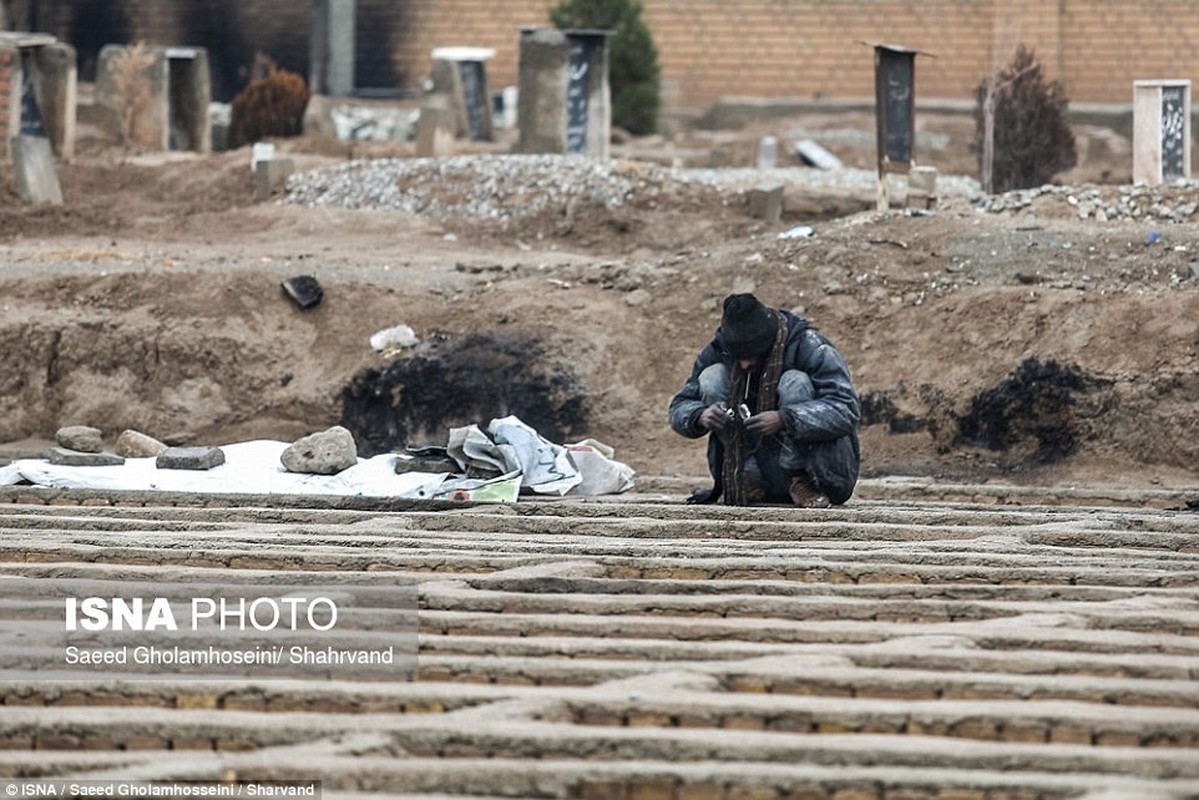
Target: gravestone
[[894, 112], [38, 88], [922, 187], [435, 129], [331, 47], [460, 76], [171, 96], [33, 167], [766, 202], [1161, 131], [768, 152], [565, 101], [270, 176]]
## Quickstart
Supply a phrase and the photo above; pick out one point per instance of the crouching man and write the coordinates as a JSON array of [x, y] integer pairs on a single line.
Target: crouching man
[[777, 403]]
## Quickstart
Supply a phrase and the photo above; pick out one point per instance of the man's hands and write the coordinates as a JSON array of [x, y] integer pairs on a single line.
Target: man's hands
[[716, 417], [767, 423]]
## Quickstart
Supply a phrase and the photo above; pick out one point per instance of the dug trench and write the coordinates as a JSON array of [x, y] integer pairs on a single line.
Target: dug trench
[[252, 365]]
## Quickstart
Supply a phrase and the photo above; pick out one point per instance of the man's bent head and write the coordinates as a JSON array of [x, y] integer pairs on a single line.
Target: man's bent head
[[747, 328]]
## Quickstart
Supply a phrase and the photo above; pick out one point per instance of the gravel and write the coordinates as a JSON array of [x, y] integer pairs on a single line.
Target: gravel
[[1168, 202], [507, 187], [483, 187]]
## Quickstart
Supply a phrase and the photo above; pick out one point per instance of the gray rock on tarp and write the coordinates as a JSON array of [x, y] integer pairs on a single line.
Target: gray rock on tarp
[[134, 444], [65, 457], [81, 438], [190, 458], [323, 453]]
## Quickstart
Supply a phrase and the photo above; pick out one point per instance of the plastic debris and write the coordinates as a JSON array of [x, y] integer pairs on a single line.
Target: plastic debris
[[392, 340], [799, 232]]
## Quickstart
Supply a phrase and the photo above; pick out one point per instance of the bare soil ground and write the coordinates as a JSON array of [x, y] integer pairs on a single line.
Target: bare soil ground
[[1027, 344]]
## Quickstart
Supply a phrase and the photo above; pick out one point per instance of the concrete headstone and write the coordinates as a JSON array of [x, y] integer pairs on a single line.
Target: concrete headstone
[[766, 203], [33, 166], [270, 175], [434, 131], [768, 152]]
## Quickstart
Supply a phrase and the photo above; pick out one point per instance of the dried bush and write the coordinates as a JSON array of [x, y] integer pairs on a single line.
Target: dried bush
[[270, 106], [1022, 135], [132, 85]]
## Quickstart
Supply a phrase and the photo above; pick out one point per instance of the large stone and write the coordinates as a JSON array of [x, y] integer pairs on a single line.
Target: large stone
[[434, 129], [81, 438], [190, 458], [64, 457], [134, 444], [270, 176], [766, 202], [323, 453], [33, 166]]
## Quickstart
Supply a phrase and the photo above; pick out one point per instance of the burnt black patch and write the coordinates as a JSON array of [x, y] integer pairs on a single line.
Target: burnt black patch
[[1034, 404], [879, 408], [452, 383]]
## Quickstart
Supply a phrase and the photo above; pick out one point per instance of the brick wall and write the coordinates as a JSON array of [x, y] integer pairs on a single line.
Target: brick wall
[[10, 93], [811, 48], [713, 48]]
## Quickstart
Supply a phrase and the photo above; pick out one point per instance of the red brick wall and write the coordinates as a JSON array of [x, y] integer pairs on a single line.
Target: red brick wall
[[713, 48], [810, 48], [1111, 44]]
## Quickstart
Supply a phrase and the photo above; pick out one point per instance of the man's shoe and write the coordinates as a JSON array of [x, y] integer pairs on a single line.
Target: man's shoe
[[804, 496], [756, 490]]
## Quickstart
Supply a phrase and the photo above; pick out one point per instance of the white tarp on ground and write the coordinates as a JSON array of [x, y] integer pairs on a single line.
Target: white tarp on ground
[[520, 456]]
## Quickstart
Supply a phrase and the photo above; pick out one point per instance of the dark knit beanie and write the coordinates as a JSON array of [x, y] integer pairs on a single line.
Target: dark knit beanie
[[747, 328]]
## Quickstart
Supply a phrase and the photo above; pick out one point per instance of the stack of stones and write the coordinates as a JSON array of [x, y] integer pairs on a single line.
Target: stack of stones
[[83, 446], [324, 453]]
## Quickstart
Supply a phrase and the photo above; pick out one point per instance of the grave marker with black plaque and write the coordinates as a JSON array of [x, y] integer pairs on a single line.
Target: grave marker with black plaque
[[1161, 146], [565, 99], [896, 124], [460, 75], [577, 67], [894, 112]]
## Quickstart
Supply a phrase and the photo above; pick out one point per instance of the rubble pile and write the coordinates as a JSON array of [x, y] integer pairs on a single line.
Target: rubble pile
[[483, 187], [1170, 202], [506, 187]]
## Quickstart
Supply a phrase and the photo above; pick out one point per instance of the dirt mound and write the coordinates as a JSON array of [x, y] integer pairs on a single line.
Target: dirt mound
[[999, 337]]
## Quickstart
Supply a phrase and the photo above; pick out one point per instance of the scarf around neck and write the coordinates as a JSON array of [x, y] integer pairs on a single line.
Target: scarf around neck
[[736, 450]]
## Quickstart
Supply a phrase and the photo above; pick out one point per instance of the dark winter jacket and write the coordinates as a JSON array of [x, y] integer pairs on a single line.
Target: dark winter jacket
[[824, 430]]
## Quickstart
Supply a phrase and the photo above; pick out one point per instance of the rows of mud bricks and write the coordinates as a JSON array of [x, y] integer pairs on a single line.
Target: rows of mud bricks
[[639, 648]]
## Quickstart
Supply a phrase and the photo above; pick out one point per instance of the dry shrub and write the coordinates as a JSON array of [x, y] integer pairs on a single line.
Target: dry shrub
[[131, 80], [270, 106], [1023, 137]]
